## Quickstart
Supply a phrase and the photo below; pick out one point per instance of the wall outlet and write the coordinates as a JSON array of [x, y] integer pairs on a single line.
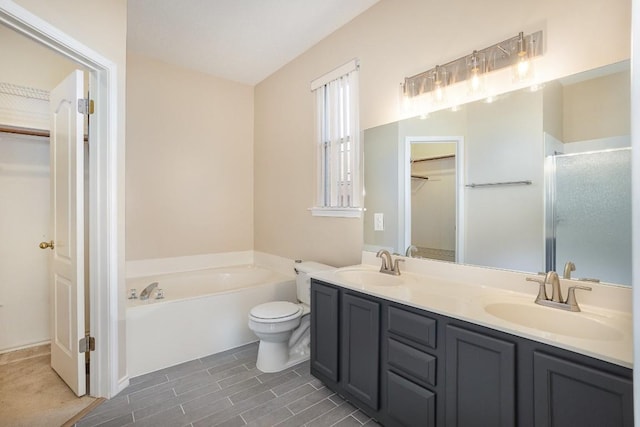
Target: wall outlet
[[378, 222]]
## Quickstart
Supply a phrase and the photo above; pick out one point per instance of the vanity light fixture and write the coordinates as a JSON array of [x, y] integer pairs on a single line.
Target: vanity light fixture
[[516, 52]]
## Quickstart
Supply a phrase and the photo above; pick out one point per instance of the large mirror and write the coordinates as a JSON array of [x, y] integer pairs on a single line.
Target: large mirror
[[526, 181]]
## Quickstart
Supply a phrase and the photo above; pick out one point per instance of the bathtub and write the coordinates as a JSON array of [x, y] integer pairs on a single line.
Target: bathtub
[[203, 312]]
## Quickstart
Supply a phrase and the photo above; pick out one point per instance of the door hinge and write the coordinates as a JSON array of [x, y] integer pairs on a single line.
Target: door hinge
[[85, 106], [88, 343]]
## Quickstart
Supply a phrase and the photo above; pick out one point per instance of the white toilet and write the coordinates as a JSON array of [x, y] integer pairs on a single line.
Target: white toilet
[[283, 326]]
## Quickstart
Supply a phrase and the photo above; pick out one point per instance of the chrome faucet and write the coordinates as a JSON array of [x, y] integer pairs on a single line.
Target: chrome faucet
[[568, 268], [556, 301], [388, 265], [146, 292]]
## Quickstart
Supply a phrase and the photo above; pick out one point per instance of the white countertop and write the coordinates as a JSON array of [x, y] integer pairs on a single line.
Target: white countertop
[[600, 332]]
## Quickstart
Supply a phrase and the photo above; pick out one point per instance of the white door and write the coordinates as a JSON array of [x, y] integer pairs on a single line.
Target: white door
[[66, 272]]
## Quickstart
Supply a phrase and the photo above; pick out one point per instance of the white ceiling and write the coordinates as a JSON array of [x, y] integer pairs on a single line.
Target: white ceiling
[[239, 40]]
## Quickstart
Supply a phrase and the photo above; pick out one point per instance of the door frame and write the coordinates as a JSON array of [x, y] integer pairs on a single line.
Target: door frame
[[104, 239], [404, 199]]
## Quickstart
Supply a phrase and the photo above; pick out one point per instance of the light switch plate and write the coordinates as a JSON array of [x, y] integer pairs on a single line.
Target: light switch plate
[[378, 222]]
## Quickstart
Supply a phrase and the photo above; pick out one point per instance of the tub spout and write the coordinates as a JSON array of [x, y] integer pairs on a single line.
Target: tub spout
[[146, 292]]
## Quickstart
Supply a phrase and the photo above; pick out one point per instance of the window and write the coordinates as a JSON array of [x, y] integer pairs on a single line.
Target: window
[[338, 143]]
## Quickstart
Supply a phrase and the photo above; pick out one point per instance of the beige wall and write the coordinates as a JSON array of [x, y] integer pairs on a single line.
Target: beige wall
[[189, 170], [395, 39], [597, 108]]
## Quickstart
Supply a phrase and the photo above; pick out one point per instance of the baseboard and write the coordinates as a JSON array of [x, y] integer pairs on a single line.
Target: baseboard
[[25, 347], [122, 384], [77, 417]]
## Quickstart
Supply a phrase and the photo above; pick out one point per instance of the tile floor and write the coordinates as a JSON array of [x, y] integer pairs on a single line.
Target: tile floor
[[226, 389]]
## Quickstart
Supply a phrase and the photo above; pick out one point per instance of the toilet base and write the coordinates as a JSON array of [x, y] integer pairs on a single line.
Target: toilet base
[[275, 357]]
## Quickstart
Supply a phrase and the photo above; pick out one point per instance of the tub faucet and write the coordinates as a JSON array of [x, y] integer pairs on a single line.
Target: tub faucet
[[146, 292]]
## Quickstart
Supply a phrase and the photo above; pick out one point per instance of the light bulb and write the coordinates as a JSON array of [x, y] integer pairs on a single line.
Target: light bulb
[[475, 81], [523, 69], [439, 93], [476, 74], [439, 84]]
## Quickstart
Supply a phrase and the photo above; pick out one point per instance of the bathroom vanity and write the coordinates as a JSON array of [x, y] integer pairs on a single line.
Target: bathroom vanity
[[409, 355]]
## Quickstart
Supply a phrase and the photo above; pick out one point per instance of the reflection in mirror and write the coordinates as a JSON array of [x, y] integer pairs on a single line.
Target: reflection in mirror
[[543, 213], [430, 205]]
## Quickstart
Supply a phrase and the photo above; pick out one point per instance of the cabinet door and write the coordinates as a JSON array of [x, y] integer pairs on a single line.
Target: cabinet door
[[324, 331], [480, 379], [410, 404], [361, 348], [567, 393]]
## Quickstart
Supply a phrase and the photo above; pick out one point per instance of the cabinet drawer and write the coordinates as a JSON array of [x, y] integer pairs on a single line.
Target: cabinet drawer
[[413, 362], [417, 328], [409, 403]]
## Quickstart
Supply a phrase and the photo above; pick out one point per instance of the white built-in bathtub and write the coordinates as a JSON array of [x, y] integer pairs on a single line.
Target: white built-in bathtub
[[203, 312]]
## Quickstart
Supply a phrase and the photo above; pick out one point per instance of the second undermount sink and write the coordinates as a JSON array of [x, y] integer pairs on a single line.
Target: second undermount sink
[[366, 277], [577, 325]]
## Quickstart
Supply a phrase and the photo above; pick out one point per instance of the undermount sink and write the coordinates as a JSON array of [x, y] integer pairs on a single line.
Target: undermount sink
[[365, 278], [555, 321]]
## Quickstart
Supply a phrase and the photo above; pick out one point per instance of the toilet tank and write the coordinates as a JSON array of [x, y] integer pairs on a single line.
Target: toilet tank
[[303, 281]]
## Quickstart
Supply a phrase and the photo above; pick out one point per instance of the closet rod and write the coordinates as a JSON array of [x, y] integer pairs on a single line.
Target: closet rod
[[426, 178], [30, 132], [428, 159], [24, 131]]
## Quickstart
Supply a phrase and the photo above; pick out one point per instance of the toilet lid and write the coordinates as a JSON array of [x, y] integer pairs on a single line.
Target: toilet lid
[[275, 310]]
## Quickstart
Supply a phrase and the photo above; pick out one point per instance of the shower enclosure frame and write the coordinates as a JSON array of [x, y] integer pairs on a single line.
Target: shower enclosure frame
[[550, 202]]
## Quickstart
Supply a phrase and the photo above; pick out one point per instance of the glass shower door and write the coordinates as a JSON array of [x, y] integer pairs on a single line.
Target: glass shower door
[[592, 214]]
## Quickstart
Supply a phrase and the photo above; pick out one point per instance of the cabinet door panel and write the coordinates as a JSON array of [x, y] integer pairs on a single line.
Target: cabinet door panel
[[415, 327], [410, 404], [412, 362], [361, 344], [324, 331], [480, 379], [567, 393]]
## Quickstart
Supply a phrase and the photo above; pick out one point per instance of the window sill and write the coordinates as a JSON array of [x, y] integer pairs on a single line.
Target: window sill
[[337, 212]]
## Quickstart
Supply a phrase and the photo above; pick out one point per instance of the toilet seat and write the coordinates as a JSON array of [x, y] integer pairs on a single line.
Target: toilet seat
[[275, 311]]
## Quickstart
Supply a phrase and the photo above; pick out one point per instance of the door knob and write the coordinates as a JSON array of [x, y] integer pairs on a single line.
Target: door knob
[[45, 245]]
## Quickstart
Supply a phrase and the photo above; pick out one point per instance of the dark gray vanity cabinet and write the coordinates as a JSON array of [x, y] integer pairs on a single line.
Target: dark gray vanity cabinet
[[412, 356], [480, 379], [361, 348], [324, 332], [345, 344], [408, 367], [570, 393]]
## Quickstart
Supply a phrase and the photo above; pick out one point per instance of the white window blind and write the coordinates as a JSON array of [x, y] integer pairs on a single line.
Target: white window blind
[[338, 142]]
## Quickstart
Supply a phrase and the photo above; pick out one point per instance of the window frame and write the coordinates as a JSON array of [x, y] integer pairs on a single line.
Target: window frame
[[337, 141]]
